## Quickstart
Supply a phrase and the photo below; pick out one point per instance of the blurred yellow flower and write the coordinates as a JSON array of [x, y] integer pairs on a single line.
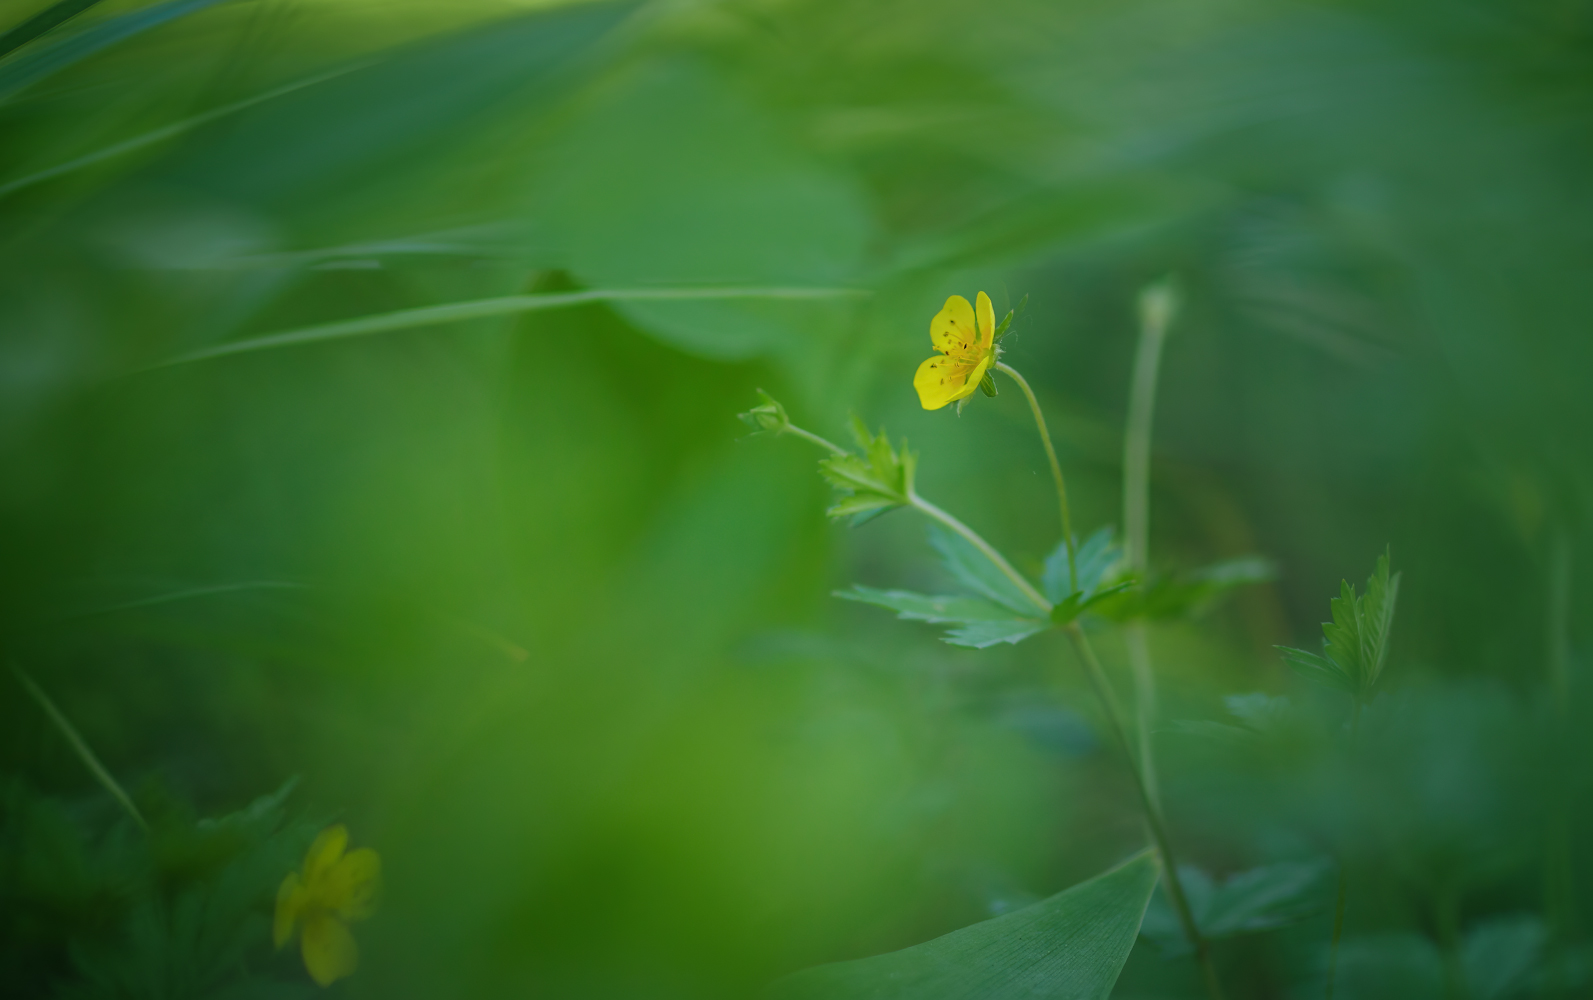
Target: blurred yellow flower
[[333, 890], [967, 350]]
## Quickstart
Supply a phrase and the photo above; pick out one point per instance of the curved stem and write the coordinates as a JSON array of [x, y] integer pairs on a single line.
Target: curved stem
[[983, 546], [834, 449], [80, 746], [1153, 813], [1056, 472]]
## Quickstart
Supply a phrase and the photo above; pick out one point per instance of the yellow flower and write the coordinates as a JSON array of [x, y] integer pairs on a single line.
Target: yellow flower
[[333, 890], [966, 351]]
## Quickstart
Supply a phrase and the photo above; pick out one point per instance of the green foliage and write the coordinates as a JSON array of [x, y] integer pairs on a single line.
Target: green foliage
[[1099, 557], [1355, 642], [1072, 945], [52, 55], [106, 911], [971, 568], [1248, 902], [978, 623], [1188, 594], [873, 483]]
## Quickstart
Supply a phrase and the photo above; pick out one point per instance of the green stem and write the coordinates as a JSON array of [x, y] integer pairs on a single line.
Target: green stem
[[983, 546], [1559, 897], [1153, 813], [1156, 314], [1056, 472], [80, 746], [834, 449]]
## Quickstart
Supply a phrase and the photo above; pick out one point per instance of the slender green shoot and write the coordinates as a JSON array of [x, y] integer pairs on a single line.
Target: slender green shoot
[[1157, 306], [1056, 471], [84, 753]]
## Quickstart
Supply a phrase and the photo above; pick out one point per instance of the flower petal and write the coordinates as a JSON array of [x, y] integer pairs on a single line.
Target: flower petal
[[323, 854], [952, 329], [328, 948], [938, 381], [987, 321], [971, 383], [353, 884], [290, 897]]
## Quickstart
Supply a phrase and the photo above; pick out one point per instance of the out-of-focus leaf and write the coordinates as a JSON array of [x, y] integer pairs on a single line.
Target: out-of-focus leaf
[[1248, 902], [671, 175], [50, 17], [1097, 556], [970, 568], [1069, 947], [34, 64], [1184, 594], [1081, 601], [1500, 955], [1318, 669]]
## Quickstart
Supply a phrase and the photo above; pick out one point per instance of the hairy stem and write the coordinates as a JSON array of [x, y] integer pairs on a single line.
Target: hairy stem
[[1153, 813], [1056, 472]]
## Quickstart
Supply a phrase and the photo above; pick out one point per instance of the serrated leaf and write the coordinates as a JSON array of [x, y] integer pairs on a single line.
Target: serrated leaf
[[1069, 947], [1097, 556], [1192, 593], [970, 568], [1077, 603], [979, 635], [1318, 669], [1382, 592]]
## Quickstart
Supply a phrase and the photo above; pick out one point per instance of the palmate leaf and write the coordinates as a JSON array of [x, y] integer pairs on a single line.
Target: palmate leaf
[[971, 569], [1097, 557], [979, 623], [1069, 947]]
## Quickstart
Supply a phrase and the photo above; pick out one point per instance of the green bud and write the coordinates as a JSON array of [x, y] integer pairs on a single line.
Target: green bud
[[987, 385], [768, 416]]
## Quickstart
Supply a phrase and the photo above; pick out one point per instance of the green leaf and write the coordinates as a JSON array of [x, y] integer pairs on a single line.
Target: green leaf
[[872, 483], [979, 623], [1356, 640], [924, 608], [1249, 902], [970, 568], [1377, 618], [1318, 669], [1069, 947], [1192, 593], [987, 385], [979, 635], [48, 58], [1077, 603], [46, 19], [1097, 557]]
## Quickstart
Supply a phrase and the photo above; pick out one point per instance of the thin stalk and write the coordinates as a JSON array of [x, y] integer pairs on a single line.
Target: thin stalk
[[1155, 316], [1056, 471], [833, 448], [1153, 813], [78, 744]]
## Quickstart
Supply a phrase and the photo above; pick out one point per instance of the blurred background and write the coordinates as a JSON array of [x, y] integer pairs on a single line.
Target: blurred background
[[518, 600]]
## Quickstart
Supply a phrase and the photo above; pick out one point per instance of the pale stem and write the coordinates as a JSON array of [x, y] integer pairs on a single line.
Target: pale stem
[[1136, 525], [1056, 472], [834, 449], [80, 746], [1153, 813]]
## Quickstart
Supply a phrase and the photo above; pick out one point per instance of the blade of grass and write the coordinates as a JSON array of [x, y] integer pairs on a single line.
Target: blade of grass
[[44, 60], [454, 312], [50, 17], [84, 753], [166, 132]]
